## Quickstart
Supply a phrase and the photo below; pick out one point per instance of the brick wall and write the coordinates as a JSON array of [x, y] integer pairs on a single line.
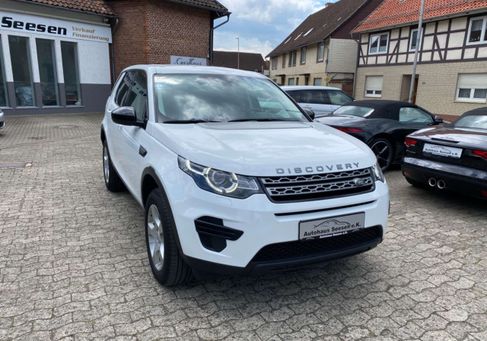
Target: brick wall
[[436, 88], [150, 31]]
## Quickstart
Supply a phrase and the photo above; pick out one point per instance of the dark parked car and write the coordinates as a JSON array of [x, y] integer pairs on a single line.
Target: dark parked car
[[383, 125], [451, 157]]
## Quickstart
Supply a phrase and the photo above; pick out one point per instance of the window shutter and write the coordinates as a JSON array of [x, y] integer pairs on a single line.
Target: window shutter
[[477, 81], [374, 83]]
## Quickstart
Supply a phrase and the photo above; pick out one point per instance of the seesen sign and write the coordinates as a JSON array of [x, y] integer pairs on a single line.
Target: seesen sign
[[55, 27]]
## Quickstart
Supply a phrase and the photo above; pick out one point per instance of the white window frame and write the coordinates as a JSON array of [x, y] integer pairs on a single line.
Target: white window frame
[[293, 81], [470, 99], [320, 59], [303, 56], [378, 46], [375, 93], [411, 32], [483, 36], [274, 62]]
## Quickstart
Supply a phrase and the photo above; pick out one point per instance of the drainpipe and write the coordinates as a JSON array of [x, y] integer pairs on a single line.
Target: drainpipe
[[416, 53], [212, 30], [114, 25]]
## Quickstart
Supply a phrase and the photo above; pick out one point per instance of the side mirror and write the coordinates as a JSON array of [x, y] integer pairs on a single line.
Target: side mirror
[[310, 113], [125, 116], [438, 119]]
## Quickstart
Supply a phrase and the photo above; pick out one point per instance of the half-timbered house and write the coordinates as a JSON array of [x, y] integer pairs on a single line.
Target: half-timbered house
[[452, 54]]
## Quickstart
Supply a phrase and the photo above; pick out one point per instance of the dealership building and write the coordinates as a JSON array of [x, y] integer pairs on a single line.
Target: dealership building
[[61, 56]]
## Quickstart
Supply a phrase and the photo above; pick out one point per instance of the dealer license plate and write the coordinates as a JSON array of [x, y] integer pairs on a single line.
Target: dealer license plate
[[328, 227], [443, 150]]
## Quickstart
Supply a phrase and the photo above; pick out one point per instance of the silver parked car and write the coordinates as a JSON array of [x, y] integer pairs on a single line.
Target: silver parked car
[[322, 100]]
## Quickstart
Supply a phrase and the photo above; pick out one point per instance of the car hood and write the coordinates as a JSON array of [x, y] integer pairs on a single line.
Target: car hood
[[466, 137], [265, 148], [342, 121]]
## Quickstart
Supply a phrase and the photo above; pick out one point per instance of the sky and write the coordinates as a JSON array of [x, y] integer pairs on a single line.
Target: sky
[[261, 25]]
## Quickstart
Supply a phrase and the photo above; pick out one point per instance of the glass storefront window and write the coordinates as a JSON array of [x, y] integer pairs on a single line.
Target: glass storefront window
[[20, 56], [47, 71], [3, 83], [71, 75]]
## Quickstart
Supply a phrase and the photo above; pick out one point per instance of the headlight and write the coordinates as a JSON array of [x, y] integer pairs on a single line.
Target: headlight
[[378, 174], [220, 182]]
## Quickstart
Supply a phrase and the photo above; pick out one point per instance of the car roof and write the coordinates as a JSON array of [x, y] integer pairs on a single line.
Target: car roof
[[478, 111], [380, 103], [307, 87], [192, 69]]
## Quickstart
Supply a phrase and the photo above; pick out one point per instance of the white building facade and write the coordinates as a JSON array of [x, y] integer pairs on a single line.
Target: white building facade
[[53, 60], [452, 63]]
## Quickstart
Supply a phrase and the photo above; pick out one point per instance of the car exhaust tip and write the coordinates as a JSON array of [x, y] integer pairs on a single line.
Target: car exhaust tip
[[432, 182], [441, 184]]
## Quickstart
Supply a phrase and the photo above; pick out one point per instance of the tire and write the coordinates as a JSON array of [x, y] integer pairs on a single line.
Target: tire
[[414, 183], [110, 174], [162, 240], [384, 151]]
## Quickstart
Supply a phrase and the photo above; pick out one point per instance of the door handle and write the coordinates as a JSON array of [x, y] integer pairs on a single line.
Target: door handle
[[142, 151]]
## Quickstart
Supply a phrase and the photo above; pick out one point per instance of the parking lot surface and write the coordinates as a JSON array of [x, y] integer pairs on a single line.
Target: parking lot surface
[[73, 262]]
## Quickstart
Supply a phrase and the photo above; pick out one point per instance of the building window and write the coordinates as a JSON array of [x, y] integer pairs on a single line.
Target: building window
[[3, 83], [304, 51], [373, 86], [20, 56], [274, 63], [71, 75], [478, 30], [47, 71], [317, 81], [413, 43], [472, 88], [292, 58], [378, 43], [320, 54], [284, 61], [290, 81]]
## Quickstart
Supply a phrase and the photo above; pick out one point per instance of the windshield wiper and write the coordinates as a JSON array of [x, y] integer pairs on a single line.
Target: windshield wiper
[[262, 120], [189, 121]]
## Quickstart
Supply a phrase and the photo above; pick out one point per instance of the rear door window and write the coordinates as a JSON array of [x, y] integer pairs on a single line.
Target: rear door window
[[338, 97], [310, 96]]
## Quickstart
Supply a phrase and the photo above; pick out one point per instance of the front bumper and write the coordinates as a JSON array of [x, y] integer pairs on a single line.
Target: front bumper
[[459, 179], [264, 223]]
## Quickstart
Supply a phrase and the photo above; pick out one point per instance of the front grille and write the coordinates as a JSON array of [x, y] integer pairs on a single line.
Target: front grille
[[318, 186], [318, 247]]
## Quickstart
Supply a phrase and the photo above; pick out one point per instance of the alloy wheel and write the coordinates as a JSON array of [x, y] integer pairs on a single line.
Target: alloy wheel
[[383, 152], [106, 164], [155, 234]]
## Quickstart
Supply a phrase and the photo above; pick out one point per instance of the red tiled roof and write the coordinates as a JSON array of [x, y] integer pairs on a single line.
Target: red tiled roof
[[89, 6], [212, 5], [402, 12], [101, 7]]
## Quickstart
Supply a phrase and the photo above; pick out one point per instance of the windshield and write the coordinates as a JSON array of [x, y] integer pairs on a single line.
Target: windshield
[[333, 97], [354, 110], [220, 98], [472, 122]]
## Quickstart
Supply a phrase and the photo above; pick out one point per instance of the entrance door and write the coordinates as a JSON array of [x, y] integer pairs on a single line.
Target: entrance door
[[406, 85]]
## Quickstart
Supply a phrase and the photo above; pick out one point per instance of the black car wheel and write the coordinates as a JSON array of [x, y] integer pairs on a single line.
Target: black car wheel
[[384, 151], [112, 179], [166, 261], [414, 182]]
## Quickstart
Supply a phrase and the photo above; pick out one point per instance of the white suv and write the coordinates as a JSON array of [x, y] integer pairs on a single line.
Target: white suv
[[322, 100], [233, 176]]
